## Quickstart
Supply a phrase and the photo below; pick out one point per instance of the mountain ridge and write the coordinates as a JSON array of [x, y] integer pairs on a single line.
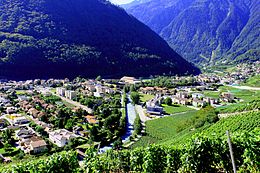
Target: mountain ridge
[[205, 31], [71, 38]]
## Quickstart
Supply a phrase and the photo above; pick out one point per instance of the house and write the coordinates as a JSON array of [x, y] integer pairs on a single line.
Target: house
[[91, 88], [198, 103], [227, 97], [210, 100], [182, 95], [180, 101], [61, 137], [34, 112], [34, 145], [91, 119], [20, 120], [10, 110], [24, 134]]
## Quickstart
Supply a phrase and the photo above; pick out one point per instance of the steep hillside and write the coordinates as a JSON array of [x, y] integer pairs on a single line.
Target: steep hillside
[[67, 38], [205, 31]]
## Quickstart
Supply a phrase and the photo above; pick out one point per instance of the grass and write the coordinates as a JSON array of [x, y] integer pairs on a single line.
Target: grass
[[253, 81], [146, 97], [213, 94], [68, 104], [20, 92], [175, 109], [246, 95], [53, 90], [162, 129]]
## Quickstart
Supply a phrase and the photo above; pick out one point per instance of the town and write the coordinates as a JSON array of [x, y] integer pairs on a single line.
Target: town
[[48, 116]]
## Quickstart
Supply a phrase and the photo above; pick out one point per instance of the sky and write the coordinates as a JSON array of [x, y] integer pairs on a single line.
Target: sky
[[121, 1]]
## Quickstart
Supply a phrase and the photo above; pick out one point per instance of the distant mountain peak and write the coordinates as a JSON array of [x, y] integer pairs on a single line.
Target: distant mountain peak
[[205, 31]]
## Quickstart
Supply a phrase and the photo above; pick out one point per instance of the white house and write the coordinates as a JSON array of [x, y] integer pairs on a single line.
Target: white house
[[61, 137]]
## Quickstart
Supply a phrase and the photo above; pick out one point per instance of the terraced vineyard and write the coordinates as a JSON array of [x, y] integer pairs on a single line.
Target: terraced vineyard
[[237, 123]]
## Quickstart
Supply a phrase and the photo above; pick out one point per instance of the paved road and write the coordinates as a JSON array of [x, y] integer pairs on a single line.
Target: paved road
[[77, 104], [245, 87], [141, 113]]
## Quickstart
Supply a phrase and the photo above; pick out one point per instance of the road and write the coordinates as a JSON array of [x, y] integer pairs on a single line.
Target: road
[[245, 87], [141, 113], [77, 104]]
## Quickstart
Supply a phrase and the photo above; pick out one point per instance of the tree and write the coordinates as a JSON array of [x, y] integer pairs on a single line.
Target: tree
[[168, 101], [138, 125], [69, 124], [7, 136], [118, 144], [135, 97]]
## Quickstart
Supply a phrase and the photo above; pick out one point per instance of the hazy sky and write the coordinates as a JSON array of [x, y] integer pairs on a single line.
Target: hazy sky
[[121, 1]]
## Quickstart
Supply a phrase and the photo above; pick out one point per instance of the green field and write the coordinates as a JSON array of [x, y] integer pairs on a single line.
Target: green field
[[253, 81], [165, 128], [146, 97], [246, 95], [175, 109], [20, 92], [67, 104]]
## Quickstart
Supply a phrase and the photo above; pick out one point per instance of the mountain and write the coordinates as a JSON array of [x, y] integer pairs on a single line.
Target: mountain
[[67, 38], [205, 31], [133, 3]]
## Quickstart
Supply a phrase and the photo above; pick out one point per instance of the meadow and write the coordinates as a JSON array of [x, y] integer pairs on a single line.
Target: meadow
[[173, 109]]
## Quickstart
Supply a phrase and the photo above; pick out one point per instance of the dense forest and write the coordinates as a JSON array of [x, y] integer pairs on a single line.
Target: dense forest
[[205, 31], [52, 38]]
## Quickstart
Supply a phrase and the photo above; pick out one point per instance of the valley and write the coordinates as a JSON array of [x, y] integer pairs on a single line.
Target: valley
[[126, 115]]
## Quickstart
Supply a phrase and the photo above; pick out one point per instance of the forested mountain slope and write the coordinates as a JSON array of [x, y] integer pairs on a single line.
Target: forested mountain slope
[[205, 31], [67, 38]]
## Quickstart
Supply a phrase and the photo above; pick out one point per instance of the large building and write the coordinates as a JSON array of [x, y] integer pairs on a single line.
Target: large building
[[61, 137], [60, 91], [70, 94]]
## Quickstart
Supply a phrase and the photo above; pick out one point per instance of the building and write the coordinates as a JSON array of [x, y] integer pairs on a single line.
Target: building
[[91, 119], [153, 108], [33, 145], [10, 110], [227, 97], [180, 101], [198, 103], [182, 95], [197, 95], [60, 91], [128, 80], [70, 94], [20, 120], [61, 137]]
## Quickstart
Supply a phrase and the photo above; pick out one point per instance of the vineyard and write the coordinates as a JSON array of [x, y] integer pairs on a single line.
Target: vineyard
[[252, 105], [200, 154], [237, 123], [164, 128]]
